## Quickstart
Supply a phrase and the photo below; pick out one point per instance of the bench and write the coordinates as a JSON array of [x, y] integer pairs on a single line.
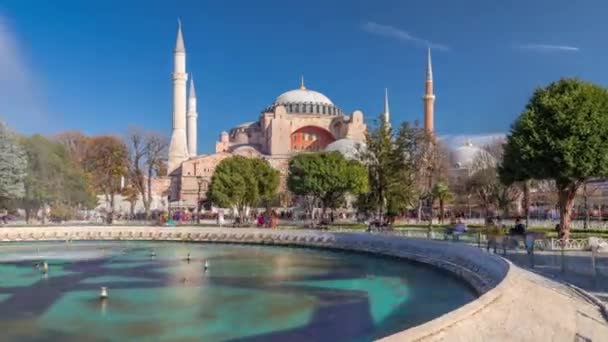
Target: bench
[[454, 234], [528, 241]]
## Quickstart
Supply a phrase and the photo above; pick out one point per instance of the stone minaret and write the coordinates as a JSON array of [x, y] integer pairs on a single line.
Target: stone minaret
[[386, 116], [178, 149], [429, 97], [192, 117]]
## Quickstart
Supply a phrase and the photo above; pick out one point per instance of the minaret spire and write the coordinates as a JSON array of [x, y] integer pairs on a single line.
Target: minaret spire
[[179, 42], [302, 86], [191, 92], [429, 66], [387, 112], [192, 120], [178, 148], [429, 97]]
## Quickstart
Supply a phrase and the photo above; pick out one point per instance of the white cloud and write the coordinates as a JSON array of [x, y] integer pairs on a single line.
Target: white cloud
[[404, 36], [548, 48], [20, 104]]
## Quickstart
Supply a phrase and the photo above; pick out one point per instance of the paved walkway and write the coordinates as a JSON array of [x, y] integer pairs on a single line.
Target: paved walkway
[[530, 308], [577, 269]]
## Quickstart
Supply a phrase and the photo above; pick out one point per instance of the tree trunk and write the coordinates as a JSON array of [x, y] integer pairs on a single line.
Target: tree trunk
[[441, 211], [110, 216], [585, 198], [527, 202], [431, 213], [323, 211], [132, 209], [566, 200], [506, 212], [309, 201], [419, 217], [147, 198], [28, 215]]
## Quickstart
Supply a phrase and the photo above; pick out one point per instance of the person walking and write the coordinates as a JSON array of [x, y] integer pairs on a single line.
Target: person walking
[[220, 218]]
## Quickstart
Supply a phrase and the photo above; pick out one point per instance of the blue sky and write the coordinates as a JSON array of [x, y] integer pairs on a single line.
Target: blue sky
[[102, 66]]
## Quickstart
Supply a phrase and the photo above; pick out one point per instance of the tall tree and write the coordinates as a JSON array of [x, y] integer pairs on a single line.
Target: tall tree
[[156, 162], [484, 183], [441, 192], [325, 178], [267, 179], [147, 151], [13, 166], [391, 160], [53, 179], [131, 195], [431, 166], [75, 144], [106, 161], [562, 135], [240, 182]]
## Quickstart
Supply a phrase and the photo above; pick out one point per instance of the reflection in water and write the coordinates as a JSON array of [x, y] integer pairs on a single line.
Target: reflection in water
[[103, 305], [248, 293]]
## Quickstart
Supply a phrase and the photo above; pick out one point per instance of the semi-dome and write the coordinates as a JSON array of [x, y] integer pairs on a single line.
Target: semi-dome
[[349, 148], [302, 96]]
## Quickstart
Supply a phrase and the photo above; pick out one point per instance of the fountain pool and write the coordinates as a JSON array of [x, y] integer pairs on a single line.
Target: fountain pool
[[161, 291]]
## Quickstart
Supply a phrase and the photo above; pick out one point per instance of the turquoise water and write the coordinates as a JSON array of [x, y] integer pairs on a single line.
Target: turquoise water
[[248, 293]]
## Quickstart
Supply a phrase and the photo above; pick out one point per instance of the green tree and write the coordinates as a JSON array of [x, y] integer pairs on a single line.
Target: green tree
[[241, 183], [441, 192], [390, 159], [106, 162], [562, 135], [267, 179], [53, 178], [13, 166], [325, 179]]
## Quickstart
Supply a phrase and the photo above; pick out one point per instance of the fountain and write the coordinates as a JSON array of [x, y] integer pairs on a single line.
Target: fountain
[[103, 293], [271, 292]]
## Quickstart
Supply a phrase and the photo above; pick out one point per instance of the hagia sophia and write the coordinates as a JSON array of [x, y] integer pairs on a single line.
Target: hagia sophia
[[296, 121]]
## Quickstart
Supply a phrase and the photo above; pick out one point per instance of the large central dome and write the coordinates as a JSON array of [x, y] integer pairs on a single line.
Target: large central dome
[[302, 96], [305, 101]]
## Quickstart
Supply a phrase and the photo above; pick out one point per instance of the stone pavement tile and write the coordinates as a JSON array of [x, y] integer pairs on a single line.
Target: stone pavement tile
[[530, 308]]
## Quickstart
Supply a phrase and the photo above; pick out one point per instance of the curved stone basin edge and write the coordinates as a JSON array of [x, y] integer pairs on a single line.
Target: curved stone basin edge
[[487, 274]]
